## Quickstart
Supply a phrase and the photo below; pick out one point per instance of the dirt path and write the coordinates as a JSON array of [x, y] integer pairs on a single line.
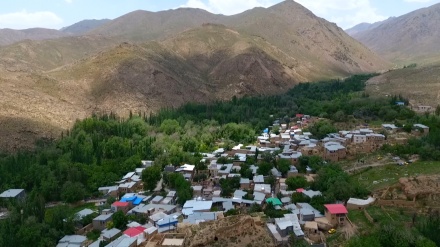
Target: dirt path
[[375, 164]]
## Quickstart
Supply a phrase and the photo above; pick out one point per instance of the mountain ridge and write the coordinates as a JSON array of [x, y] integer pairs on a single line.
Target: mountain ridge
[[410, 38]]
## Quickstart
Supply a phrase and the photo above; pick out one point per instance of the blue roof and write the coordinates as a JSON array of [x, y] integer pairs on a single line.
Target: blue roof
[[266, 130], [167, 222], [128, 199], [137, 201]]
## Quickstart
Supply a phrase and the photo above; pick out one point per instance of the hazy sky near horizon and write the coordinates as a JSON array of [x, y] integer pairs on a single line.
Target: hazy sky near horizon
[[21, 14]]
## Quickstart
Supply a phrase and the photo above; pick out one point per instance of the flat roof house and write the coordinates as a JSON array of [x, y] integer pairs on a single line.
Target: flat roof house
[[336, 214], [100, 222], [13, 194], [71, 241]]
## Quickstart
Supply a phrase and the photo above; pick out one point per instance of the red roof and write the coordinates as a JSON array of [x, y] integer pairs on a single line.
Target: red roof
[[336, 208], [299, 115], [134, 231], [300, 190], [120, 204]]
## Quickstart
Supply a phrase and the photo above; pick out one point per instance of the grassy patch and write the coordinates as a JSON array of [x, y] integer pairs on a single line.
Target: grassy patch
[[358, 218], [380, 177], [389, 214], [78, 208]]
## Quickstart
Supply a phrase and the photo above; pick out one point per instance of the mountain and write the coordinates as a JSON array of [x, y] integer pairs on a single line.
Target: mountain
[[328, 50], [10, 36], [84, 26], [140, 25], [144, 61], [362, 27], [203, 64], [45, 55], [406, 39]]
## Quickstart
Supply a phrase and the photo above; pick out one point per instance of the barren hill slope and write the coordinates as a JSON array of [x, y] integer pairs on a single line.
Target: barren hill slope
[[421, 84], [327, 49], [10, 36], [50, 54], [413, 37], [204, 64], [84, 26]]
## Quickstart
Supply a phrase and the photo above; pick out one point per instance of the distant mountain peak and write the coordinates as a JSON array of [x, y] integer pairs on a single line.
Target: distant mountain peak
[[412, 37]]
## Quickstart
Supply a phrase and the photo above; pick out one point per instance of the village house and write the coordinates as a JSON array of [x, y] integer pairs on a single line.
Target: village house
[[334, 151], [72, 240], [197, 190], [390, 128], [293, 172], [336, 214], [263, 188], [289, 224], [121, 206], [420, 129], [187, 171], [17, 194], [100, 222], [244, 183], [311, 231], [150, 232], [109, 191], [111, 234]]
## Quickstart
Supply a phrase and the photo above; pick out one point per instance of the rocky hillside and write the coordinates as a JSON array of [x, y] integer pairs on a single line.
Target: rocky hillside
[[362, 27], [407, 39]]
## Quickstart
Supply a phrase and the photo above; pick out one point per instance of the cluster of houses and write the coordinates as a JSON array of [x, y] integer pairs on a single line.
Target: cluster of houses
[[303, 220], [335, 147]]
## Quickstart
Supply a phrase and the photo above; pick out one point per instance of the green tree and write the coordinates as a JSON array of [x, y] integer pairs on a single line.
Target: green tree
[[151, 176], [283, 166], [169, 126], [264, 168], [72, 192], [120, 220], [294, 183]]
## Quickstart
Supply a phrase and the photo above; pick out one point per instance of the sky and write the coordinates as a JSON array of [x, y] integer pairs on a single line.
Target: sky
[[21, 14]]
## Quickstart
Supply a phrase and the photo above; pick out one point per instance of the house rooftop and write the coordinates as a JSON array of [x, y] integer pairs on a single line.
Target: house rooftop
[[196, 218], [103, 217], [85, 212], [11, 193], [421, 126], [274, 201], [186, 168], [336, 208], [71, 240], [157, 199], [120, 204], [129, 175], [259, 179], [266, 188], [244, 180], [110, 233], [134, 231], [311, 193]]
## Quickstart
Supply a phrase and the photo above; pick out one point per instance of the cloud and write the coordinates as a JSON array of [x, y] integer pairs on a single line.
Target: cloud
[[24, 19], [68, 1], [346, 13], [228, 7]]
